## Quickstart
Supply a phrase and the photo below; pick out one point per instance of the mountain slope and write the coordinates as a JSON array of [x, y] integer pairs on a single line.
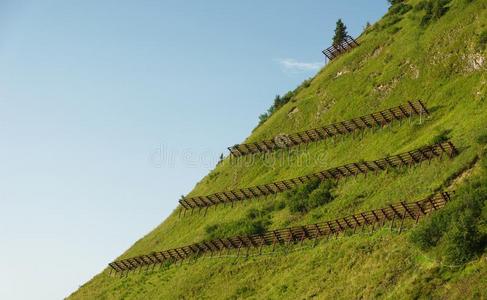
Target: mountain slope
[[439, 59]]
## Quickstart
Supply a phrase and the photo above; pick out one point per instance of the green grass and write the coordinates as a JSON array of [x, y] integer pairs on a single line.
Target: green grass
[[398, 60]]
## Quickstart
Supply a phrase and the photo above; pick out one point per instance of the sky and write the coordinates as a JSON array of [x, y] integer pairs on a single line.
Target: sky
[[110, 110]]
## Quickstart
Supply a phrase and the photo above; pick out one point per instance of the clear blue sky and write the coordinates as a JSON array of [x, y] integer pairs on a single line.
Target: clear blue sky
[[110, 110]]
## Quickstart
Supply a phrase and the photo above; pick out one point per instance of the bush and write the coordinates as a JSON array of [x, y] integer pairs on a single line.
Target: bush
[[278, 103], [428, 8], [306, 83], [422, 5], [321, 195], [458, 231], [463, 240], [309, 196], [429, 234], [483, 40], [434, 10], [281, 101], [442, 137], [394, 30], [400, 8], [395, 2], [482, 139], [263, 118], [439, 8], [254, 222], [240, 227]]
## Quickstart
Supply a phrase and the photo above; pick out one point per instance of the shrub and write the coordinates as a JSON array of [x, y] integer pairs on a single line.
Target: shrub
[[458, 231], [262, 118], [273, 206], [255, 221], [434, 10], [280, 101], [443, 136], [306, 83], [366, 26], [400, 8], [422, 5], [439, 8], [395, 2], [321, 195], [463, 240], [425, 20], [483, 40], [390, 21], [394, 30], [309, 196], [482, 139], [240, 227], [429, 233]]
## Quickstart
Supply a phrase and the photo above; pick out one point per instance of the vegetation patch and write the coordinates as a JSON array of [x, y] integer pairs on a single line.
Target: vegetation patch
[[255, 221], [482, 139], [309, 196], [398, 7], [443, 136], [280, 101], [434, 10], [369, 265], [458, 232], [483, 40]]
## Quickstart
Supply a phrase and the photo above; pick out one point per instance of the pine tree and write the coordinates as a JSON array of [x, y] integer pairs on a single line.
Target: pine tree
[[367, 25], [394, 2], [340, 32]]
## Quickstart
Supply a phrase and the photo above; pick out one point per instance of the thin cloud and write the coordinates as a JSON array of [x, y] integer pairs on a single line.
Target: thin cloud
[[290, 64]]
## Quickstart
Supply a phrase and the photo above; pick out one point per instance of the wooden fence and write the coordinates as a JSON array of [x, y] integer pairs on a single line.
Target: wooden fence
[[394, 213], [352, 169], [336, 50], [376, 119]]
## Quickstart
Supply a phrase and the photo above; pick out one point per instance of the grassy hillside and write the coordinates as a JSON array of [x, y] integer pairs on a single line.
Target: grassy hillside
[[437, 54]]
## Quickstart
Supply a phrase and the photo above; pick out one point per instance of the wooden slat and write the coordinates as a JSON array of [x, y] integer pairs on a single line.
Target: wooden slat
[[402, 210], [343, 127], [407, 158]]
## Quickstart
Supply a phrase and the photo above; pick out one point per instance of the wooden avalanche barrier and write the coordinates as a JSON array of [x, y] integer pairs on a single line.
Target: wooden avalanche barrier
[[352, 169], [284, 141], [336, 50], [395, 214]]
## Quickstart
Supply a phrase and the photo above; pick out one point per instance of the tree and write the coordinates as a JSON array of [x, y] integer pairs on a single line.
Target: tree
[[434, 9], [393, 2], [340, 32], [367, 25]]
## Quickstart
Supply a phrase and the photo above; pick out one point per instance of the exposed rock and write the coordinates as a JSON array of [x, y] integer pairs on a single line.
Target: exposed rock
[[323, 107], [481, 91], [414, 71], [374, 75], [377, 51], [282, 140], [341, 73], [385, 88], [292, 111], [476, 61]]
